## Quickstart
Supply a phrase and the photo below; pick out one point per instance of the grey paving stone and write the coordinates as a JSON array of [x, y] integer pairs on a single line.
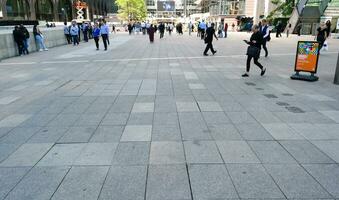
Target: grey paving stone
[[166, 119], [271, 152], [39, 183], [82, 183], [332, 114], [209, 106], [96, 154], [327, 175], [4, 131], [132, 153], [240, 117], [252, 181], [19, 135], [140, 119], [38, 120], [211, 182], [167, 182], [107, 134], [62, 155], [329, 147], [78, 134], [215, 118], [64, 120], [167, 153], [48, 135], [202, 152], [6, 150], [253, 132], [187, 107], [165, 133], [143, 107], [265, 117], [195, 132], [305, 152], [280, 131], [89, 119], [14, 120], [9, 177], [302, 185], [224, 132], [311, 131], [137, 133], [236, 152], [8, 100], [27, 155], [125, 183], [115, 119]]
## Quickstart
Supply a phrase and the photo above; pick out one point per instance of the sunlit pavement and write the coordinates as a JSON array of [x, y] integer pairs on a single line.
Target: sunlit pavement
[[161, 121]]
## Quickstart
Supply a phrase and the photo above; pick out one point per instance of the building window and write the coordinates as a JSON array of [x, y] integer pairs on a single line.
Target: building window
[[44, 10], [150, 2], [17, 9]]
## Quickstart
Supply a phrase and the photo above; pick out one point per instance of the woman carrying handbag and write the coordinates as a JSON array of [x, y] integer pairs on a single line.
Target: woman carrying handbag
[[253, 51]]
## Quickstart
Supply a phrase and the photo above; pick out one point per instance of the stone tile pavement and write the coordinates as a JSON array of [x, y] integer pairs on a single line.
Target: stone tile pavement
[[160, 121]]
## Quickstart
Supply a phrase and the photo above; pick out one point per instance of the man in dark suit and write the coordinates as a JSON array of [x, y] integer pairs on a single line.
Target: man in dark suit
[[210, 32]]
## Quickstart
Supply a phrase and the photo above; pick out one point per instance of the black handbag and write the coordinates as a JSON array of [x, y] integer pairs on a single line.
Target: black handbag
[[253, 51]]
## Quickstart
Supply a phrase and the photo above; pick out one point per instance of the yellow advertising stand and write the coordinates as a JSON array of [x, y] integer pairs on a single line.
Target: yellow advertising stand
[[306, 60]]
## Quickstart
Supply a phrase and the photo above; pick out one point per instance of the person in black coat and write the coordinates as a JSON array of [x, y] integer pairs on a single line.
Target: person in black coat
[[255, 42], [19, 38], [24, 30], [210, 32]]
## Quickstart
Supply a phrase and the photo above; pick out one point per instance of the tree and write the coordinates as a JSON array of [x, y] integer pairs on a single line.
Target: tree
[[284, 8], [131, 10]]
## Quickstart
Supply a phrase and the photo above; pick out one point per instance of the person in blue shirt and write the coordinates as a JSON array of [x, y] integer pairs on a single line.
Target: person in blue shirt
[[104, 31], [96, 35], [74, 31], [203, 28]]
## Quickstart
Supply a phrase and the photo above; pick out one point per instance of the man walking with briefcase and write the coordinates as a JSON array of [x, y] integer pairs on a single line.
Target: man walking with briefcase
[[210, 32]]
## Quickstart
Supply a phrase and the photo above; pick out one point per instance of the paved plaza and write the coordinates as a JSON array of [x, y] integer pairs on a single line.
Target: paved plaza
[[160, 121]]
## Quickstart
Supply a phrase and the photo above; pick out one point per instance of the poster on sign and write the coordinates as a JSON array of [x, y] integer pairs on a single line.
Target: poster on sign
[[307, 56]]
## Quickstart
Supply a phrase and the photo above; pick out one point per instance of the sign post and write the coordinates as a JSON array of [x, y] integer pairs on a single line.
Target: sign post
[[336, 75], [306, 60]]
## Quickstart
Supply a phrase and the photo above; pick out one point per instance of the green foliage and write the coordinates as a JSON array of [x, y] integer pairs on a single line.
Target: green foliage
[[284, 8], [131, 10]]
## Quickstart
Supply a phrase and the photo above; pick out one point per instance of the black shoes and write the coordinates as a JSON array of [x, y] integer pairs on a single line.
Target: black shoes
[[214, 52], [205, 54], [263, 72], [245, 75]]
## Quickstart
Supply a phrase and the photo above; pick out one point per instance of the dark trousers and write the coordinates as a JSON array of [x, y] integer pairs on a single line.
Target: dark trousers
[[104, 39], [20, 47], [96, 40], [265, 47], [85, 36], [208, 47], [68, 38], [75, 39], [202, 34], [161, 34], [256, 62]]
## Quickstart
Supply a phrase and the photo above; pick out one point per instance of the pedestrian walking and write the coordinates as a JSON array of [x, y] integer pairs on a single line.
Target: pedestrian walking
[[233, 26], [288, 29], [85, 31], [74, 32], [321, 35], [210, 33], [24, 30], [161, 29], [190, 28], [104, 31], [253, 51], [328, 28], [67, 34], [96, 35], [130, 28], [113, 29], [278, 29], [151, 31], [39, 38], [170, 28], [226, 29], [19, 38], [220, 30], [203, 28], [265, 32]]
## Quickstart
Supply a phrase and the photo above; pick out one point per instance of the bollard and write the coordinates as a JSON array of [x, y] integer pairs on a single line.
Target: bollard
[[336, 75]]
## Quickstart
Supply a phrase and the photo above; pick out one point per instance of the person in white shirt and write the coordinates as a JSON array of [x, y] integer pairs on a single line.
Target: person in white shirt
[[265, 32]]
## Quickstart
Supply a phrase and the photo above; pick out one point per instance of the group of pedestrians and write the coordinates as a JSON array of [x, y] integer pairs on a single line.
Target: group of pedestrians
[[22, 38]]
